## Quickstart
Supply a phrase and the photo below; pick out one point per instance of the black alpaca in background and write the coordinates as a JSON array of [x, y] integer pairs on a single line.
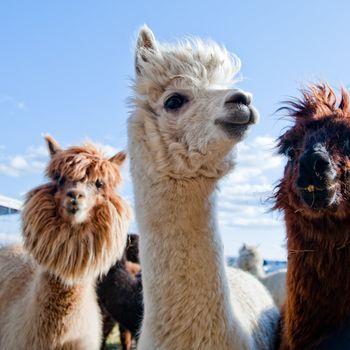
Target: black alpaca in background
[[120, 295]]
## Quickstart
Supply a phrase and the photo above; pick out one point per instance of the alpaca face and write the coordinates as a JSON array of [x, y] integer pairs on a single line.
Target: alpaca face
[[249, 258], [184, 101], [316, 180], [75, 226], [203, 119], [75, 199]]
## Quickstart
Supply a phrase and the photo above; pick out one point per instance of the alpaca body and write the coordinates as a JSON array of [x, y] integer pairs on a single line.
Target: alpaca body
[[250, 260], [185, 123], [74, 228], [23, 320], [325, 280], [275, 283], [120, 296], [314, 196], [191, 306]]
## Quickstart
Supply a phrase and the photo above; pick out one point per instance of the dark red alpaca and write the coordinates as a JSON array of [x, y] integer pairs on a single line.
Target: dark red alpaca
[[315, 197]]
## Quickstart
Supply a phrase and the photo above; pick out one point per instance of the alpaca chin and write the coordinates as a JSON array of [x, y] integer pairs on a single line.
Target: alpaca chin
[[74, 252], [81, 216]]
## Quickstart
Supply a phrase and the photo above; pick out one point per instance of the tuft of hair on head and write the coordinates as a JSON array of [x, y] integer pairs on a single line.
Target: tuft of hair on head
[[318, 100], [52, 144], [197, 61]]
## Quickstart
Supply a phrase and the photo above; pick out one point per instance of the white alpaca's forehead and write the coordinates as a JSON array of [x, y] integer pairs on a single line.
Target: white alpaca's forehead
[[192, 63]]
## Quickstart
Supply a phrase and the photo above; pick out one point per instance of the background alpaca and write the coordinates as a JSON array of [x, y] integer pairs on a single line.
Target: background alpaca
[[250, 260], [74, 228], [186, 120], [120, 295], [314, 195]]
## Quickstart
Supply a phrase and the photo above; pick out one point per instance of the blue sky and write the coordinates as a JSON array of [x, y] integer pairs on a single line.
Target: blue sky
[[66, 68]]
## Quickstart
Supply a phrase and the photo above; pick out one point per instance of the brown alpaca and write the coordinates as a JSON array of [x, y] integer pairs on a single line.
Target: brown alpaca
[[314, 195], [74, 229]]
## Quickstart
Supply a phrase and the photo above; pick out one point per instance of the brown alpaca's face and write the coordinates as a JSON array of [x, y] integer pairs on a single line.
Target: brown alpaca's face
[[75, 199], [81, 180], [76, 225], [316, 180]]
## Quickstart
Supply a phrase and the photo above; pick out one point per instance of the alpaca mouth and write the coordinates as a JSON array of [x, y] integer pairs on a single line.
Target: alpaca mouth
[[237, 122], [72, 210], [318, 198]]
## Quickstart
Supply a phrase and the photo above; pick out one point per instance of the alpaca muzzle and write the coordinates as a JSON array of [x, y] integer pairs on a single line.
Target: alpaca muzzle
[[74, 201], [240, 114], [317, 179]]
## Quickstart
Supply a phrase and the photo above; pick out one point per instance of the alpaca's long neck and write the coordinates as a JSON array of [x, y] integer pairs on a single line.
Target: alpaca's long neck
[[318, 282], [185, 286], [57, 303]]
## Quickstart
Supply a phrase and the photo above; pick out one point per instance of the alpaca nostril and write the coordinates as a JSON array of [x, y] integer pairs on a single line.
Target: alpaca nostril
[[75, 195], [239, 97], [315, 168], [71, 194]]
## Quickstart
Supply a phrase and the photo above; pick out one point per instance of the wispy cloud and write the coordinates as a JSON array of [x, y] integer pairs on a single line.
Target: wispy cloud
[[12, 102]]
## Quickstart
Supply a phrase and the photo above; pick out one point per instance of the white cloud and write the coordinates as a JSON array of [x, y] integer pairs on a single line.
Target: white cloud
[[33, 160], [19, 163], [243, 201]]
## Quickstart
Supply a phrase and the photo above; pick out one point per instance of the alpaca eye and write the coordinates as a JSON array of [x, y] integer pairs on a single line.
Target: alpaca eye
[[174, 102], [290, 153], [61, 180], [99, 184], [347, 146]]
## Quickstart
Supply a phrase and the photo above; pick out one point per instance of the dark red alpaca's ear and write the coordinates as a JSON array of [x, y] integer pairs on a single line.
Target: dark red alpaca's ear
[[119, 158], [52, 145], [344, 103]]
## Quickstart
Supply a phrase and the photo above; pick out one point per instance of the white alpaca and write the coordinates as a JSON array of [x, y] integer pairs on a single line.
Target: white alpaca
[[181, 132], [251, 261]]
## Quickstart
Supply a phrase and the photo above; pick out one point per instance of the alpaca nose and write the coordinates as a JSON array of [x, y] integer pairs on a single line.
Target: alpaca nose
[[239, 97], [75, 195], [315, 168]]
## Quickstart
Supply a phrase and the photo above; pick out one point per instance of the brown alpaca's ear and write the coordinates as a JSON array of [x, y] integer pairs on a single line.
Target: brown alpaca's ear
[[119, 158], [146, 44], [52, 145]]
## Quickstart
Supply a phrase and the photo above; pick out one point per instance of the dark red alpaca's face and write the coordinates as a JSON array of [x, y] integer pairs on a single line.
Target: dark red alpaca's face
[[316, 179]]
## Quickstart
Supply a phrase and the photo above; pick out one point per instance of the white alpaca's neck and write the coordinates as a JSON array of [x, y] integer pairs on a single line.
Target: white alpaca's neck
[[186, 291]]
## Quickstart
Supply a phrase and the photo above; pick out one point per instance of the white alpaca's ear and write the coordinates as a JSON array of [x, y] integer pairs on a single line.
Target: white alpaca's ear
[[52, 145], [146, 44], [118, 158]]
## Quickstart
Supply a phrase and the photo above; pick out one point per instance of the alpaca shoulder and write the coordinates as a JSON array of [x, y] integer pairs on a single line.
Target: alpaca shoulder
[[16, 270], [275, 282], [254, 306]]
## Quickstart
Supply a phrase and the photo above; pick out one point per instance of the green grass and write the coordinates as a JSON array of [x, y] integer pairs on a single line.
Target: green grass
[[113, 340]]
